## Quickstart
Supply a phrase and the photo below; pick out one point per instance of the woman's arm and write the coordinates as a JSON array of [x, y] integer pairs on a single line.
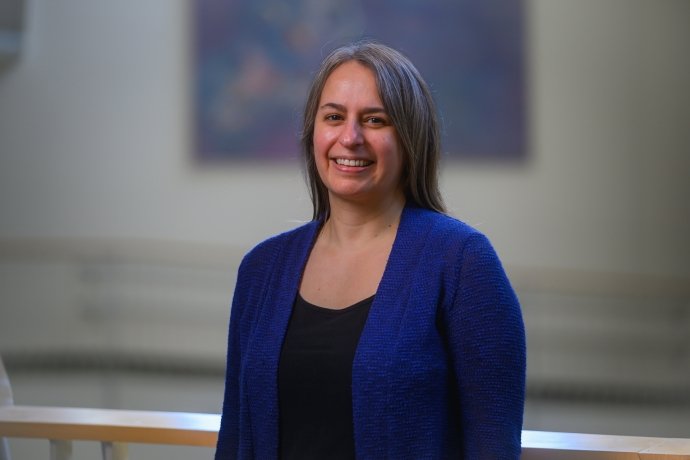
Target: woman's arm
[[486, 338], [229, 433]]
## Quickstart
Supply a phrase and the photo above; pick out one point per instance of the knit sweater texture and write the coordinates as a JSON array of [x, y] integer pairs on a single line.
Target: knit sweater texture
[[439, 371]]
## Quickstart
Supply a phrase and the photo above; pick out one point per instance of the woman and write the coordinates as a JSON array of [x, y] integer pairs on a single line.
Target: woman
[[383, 328]]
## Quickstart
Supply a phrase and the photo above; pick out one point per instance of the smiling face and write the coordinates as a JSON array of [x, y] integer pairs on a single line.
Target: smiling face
[[356, 147]]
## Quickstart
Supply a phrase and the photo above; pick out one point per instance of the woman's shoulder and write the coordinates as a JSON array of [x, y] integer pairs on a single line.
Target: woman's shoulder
[[441, 225], [448, 239], [272, 247]]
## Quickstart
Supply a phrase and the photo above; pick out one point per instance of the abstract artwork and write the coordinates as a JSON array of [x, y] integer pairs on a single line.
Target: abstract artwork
[[253, 61]]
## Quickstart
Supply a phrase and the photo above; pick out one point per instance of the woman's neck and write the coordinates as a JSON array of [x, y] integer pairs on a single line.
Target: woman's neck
[[355, 225]]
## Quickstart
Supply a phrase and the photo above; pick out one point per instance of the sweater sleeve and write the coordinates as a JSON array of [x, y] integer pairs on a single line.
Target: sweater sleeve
[[229, 434], [486, 338]]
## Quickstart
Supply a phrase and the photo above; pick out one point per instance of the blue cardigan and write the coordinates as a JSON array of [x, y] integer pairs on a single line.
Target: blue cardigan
[[439, 371]]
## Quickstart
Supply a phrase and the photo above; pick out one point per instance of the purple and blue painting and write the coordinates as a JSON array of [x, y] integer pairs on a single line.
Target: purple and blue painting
[[253, 61]]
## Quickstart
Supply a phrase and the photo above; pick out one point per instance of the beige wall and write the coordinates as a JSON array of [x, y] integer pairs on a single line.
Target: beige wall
[[94, 139], [94, 136]]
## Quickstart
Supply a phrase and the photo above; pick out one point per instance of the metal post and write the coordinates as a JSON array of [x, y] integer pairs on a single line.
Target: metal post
[[60, 449], [114, 451], [4, 449], [5, 400]]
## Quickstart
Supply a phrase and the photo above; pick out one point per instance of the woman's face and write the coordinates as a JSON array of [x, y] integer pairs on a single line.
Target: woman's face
[[356, 148]]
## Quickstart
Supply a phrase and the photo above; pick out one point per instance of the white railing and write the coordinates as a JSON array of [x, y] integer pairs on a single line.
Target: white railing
[[114, 429]]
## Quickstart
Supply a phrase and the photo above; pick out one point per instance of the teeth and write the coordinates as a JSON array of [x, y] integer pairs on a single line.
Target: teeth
[[346, 162]]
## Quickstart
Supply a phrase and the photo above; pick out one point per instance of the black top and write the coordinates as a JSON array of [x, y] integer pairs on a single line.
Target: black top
[[315, 381]]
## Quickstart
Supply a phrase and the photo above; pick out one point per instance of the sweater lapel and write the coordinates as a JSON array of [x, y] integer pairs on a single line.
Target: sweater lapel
[[377, 345], [281, 288]]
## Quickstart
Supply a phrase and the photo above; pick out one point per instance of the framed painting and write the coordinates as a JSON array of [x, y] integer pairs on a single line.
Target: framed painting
[[253, 61]]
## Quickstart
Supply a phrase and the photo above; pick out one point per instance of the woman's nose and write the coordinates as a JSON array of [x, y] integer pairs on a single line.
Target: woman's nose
[[351, 135]]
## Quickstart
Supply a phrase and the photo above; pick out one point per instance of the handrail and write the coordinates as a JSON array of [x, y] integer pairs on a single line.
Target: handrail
[[151, 427], [545, 445], [193, 429]]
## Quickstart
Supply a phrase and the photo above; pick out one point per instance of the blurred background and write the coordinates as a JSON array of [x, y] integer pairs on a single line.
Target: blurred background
[[118, 250]]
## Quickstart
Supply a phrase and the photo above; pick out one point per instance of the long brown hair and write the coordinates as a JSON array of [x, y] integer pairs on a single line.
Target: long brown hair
[[407, 100]]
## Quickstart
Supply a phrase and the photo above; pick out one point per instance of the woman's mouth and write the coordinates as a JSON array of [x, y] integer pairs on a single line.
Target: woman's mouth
[[348, 162]]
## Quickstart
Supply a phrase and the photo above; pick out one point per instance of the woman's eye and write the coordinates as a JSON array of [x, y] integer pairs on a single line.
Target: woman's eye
[[333, 117], [375, 120]]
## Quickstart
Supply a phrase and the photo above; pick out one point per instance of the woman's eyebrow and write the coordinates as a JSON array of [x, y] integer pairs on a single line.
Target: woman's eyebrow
[[341, 108], [333, 105]]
